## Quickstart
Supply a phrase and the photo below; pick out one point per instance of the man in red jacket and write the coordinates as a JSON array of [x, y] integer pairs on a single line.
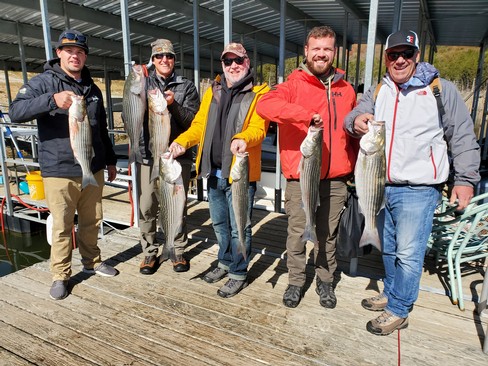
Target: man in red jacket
[[314, 94]]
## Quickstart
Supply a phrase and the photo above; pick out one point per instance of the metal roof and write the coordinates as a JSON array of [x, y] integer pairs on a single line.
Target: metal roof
[[256, 23]]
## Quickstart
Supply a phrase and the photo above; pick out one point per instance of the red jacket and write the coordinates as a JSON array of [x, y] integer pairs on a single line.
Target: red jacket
[[292, 105]]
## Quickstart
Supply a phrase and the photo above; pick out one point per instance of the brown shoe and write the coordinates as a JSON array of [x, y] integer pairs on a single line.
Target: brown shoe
[[181, 264], [375, 303], [386, 324], [148, 265]]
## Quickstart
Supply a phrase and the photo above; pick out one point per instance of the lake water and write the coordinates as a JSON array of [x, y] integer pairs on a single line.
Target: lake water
[[18, 251]]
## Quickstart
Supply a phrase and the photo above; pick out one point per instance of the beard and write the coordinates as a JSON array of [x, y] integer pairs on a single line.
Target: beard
[[319, 70]]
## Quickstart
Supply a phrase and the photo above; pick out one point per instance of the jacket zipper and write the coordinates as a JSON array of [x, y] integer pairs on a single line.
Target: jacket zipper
[[393, 131], [433, 162]]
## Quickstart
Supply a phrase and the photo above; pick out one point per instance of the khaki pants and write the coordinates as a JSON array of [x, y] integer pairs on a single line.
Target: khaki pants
[[64, 197], [149, 208], [333, 194]]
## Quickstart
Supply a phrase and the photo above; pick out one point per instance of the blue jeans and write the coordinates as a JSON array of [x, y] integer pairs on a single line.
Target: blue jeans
[[408, 215], [225, 228]]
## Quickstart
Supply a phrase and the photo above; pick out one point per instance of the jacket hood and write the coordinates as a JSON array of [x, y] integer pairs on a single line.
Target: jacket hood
[[424, 74]]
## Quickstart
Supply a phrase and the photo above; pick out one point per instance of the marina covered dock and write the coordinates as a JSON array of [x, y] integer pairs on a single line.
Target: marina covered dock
[[176, 318]]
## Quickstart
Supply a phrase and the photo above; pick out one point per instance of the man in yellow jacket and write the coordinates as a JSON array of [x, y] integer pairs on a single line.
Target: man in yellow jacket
[[227, 124]]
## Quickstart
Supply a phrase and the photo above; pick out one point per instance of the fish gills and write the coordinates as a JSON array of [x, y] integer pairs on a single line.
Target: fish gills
[[370, 173], [310, 165], [80, 136], [159, 128], [240, 198], [172, 200], [133, 109]]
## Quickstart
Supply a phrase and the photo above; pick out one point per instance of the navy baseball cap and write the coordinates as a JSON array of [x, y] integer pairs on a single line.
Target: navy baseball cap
[[402, 38], [71, 37]]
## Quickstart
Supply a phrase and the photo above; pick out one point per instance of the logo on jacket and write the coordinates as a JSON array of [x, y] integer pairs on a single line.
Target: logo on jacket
[[94, 99], [337, 94], [422, 92]]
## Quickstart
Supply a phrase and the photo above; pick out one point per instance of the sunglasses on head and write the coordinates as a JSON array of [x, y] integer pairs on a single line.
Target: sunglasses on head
[[74, 37], [407, 54], [160, 56], [237, 60]]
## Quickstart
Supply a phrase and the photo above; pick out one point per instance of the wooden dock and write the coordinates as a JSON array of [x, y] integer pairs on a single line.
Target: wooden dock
[[178, 319]]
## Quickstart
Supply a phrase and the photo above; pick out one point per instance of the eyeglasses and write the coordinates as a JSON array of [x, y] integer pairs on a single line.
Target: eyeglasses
[[407, 54], [237, 60], [160, 56], [75, 37]]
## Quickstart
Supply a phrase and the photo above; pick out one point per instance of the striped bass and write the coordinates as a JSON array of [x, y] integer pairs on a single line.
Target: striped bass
[[240, 198], [133, 109], [370, 173], [80, 136], [159, 127], [172, 200], [310, 165]]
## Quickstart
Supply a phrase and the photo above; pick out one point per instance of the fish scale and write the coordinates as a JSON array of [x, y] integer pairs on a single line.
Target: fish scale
[[240, 198], [369, 177], [80, 135], [159, 128]]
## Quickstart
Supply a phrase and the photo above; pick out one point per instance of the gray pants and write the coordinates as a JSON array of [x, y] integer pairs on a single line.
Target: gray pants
[[333, 195], [149, 208]]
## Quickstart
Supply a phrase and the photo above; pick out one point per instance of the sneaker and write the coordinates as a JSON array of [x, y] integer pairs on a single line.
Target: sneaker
[[59, 290], [292, 296], [215, 275], [148, 265], [375, 303], [103, 269], [386, 324], [325, 290], [231, 287], [181, 264]]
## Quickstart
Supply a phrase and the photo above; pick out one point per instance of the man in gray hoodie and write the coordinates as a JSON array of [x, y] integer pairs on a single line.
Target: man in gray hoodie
[[422, 137]]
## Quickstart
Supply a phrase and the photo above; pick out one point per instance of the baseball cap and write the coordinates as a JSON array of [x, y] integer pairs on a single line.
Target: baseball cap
[[235, 48], [71, 37], [162, 46], [402, 38]]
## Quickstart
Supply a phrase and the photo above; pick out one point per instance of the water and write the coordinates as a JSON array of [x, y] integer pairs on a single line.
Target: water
[[18, 251]]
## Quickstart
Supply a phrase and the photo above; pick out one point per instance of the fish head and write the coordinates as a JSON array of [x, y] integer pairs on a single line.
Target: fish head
[[78, 107], [169, 168], [157, 102], [240, 167], [374, 139], [312, 141], [135, 82]]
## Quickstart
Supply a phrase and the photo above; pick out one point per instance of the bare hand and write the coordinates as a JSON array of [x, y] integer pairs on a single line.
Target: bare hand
[[463, 195], [63, 99], [169, 96], [238, 146], [360, 125], [317, 121], [176, 149], [112, 172]]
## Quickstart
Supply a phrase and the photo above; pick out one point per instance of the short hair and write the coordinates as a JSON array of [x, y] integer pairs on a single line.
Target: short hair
[[321, 32]]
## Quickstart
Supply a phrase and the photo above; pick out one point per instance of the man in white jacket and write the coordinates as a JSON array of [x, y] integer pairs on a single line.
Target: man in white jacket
[[420, 134]]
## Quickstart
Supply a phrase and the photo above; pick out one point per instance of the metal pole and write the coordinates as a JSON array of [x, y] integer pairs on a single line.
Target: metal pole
[[46, 29], [22, 53], [358, 58], [196, 45], [7, 83], [227, 21], [373, 18]]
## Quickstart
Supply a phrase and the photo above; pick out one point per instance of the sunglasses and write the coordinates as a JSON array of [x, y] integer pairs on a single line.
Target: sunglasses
[[160, 56], [407, 54], [237, 60], [75, 37]]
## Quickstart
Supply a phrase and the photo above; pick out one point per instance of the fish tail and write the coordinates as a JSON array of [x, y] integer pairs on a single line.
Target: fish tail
[[134, 156], [155, 170], [370, 237], [241, 249], [309, 235], [88, 179]]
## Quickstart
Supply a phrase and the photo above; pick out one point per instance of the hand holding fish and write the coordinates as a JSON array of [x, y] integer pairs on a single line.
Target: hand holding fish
[[169, 96], [176, 149], [238, 146], [360, 125], [63, 99], [317, 121]]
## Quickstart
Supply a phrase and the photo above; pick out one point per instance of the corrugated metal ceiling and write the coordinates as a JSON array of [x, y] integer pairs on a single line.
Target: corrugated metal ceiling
[[255, 23]]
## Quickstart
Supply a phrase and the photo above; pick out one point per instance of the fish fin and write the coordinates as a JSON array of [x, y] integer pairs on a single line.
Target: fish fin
[[370, 237], [87, 180]]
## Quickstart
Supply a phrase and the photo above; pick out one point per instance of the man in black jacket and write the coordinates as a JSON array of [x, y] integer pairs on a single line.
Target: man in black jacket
[[47, 98], [183, 102]]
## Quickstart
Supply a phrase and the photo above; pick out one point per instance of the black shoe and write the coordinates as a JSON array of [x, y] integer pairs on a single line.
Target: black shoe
[[292, 296], [148, 265], [181, 264], [325, 290]]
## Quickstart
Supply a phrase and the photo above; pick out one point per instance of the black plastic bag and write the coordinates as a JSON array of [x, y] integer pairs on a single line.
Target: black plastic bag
[[350, 229]]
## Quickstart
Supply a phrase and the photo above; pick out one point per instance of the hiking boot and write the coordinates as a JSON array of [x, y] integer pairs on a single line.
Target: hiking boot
[[375, 303], [181, 264], [386, 324], [59, 290], [148, 265], [215, 275], [231, 287], [292, 296], [103, 269], [325, 290]]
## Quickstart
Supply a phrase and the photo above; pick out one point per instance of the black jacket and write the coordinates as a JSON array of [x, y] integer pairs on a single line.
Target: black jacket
[[182, 110], [35, 101]]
